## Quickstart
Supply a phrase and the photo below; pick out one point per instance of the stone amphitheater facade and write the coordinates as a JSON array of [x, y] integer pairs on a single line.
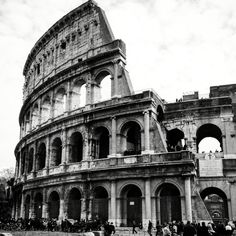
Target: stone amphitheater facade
[[131, 157]]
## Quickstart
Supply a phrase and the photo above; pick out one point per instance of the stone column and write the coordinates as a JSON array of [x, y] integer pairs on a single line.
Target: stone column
[[188, 204], [233, 198], [61, 211], [118, 211], [64, 147], [68, 97], [115, 81], [90, 208], [34, 159], [83, 214], [52, 105], [47, 161], [112, 216], [40, 111], [148, 210], [22, 207], [146, 132], [113, 136], [45, 205]]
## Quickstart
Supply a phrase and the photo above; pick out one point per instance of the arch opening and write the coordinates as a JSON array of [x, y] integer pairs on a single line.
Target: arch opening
[[41, 157], [100, 143], [38, 204], [216, 203], [78, 95], [56, 152], [60, 102], [76, 147], [35, 116], [46, 106], [27, 207], [54, 205], [30, 160], [209, 137], [131, 210], [103, 88], [131, 139], [175, 140], [168, 203], [74, 204], [100, 204]]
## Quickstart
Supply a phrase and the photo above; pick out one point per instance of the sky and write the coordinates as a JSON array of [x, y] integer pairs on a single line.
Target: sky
[[173, 47]]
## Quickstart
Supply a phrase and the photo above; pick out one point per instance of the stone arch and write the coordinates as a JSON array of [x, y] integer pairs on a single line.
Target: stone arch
[[131, 204], [74, 204], [56, 152], [100, 203], [100, 142], [175, 140], [27, 206], [76, 147], [78, 96], [46, 109], [41, 156], [103, 86], [30, 160], [38, 205], [216, 201], [168, 202], [59, 101], [131, 140], [35, 115], [209, 130], [54, 205]]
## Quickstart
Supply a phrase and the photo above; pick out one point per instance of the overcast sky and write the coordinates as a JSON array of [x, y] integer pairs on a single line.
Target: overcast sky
[[173, 46]]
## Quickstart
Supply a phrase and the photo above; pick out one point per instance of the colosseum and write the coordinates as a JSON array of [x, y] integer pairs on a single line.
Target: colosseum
[[130, 157]]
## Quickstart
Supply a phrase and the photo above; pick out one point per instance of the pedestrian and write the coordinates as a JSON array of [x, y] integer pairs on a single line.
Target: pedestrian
[[189, 230], [133, 227], [150, 228], [166, 230], [158, 228]]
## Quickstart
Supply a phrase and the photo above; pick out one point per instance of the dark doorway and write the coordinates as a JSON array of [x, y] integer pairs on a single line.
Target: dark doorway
[[27, 207], [76, 152], [54, 205], [132, 205], [170, 203], [100, 204], [74, 206], [38, 204]]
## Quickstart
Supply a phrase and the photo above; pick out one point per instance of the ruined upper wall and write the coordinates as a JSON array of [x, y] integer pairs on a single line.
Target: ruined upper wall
[[82, 33]]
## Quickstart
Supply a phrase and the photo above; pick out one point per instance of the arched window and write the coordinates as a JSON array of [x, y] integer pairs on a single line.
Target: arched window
[[209, 139], [46, 107], [60, 102], [41, 157], [78, 94], [100, 143], [35, 116], [131, 138], [54, 205], [30, 160], [160, 114], [56, 152], [76, 147], [175, 140], [74, 205], [103, 88]]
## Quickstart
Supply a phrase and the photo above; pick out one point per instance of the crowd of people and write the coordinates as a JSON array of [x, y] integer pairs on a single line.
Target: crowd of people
[[167, 229], [192, 229], [66, 225]]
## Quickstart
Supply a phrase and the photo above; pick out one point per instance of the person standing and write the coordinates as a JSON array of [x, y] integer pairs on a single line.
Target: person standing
[[150, 228], [133, 227], [189, 230]]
